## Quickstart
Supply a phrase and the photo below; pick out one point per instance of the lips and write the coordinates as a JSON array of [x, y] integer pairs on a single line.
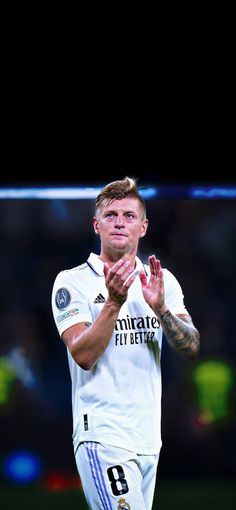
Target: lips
[[116, 234]]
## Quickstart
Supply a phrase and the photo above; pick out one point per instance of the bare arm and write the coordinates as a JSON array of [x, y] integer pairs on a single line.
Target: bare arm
[[181, 333], [87, 342], [178, 329]]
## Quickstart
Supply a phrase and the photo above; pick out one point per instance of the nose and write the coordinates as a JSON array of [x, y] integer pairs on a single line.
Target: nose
[[119, 222]]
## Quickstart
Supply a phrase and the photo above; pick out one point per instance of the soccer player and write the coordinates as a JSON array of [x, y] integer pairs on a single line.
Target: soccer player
[[111, 312]]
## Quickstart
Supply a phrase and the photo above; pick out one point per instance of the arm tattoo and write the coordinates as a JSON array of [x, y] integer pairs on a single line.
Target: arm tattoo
[[180, 333]]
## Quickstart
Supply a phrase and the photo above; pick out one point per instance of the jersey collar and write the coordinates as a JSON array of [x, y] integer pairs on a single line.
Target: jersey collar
[[96, 264]]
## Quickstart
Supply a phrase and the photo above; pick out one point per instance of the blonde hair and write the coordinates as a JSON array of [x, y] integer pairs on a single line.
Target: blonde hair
[[117, 190]]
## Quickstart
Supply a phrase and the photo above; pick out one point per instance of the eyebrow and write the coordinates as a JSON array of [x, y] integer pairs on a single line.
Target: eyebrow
[[115, 211]]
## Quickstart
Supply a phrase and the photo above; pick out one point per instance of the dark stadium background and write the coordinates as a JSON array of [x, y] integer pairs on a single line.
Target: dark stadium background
[[194, 238]]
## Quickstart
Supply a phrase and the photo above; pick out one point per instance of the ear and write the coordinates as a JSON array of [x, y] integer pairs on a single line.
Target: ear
[[96, 225], [144, 228]]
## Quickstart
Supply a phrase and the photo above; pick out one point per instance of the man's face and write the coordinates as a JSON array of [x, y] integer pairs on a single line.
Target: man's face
[[120, 224]]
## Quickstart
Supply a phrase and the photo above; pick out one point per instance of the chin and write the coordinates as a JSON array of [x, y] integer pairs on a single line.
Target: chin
[[118, 248]]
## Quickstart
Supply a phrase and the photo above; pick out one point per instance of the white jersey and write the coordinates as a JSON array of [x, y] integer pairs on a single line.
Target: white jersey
[[118, 402]]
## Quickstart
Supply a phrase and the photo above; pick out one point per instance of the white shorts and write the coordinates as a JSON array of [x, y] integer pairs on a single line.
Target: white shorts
[[114, 478]]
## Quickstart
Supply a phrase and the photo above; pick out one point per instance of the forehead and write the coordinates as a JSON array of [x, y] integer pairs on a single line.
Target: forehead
[[123, 205]]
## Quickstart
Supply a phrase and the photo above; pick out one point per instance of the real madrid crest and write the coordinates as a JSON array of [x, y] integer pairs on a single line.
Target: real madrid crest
[[123, 505]]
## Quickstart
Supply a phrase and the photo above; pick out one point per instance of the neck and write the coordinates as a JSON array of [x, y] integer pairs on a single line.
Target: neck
[[112, 258]]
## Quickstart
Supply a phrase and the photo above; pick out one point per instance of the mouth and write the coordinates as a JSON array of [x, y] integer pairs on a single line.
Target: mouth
[[117, 234]]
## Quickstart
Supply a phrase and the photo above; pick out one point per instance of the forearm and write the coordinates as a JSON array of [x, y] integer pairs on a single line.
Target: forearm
[[89, 346], [180, 333]]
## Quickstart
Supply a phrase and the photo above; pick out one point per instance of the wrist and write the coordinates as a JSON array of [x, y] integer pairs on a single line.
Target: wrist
[[113, 306], [160, 312]]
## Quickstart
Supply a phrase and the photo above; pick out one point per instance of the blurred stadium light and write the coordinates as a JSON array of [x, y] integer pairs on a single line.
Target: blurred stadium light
[[22, 467], [76, 193]]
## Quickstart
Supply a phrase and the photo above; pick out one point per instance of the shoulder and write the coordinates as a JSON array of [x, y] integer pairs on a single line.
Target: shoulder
[[172, 284], [168, 275], [71, 273]]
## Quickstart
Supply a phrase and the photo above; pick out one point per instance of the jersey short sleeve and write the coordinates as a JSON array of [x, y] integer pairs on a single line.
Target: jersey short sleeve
[[69, 302], [173, 294]]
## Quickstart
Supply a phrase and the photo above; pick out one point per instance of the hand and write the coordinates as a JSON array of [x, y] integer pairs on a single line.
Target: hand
[[117, 280], [153, 290]]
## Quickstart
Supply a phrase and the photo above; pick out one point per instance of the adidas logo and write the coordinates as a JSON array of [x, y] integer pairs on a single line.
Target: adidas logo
[[100, 299]]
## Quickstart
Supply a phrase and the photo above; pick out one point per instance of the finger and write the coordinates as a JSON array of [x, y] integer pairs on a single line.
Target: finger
[[129, 282], [123, 272], [161, 275], [113, 270], [153, 265], [159, 269], [143, 277], [105, 269]]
